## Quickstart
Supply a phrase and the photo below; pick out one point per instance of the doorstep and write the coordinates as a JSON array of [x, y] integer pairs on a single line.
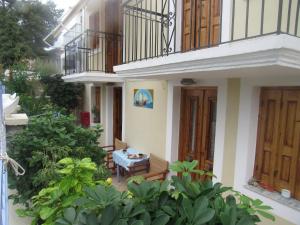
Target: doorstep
[[276, 196]]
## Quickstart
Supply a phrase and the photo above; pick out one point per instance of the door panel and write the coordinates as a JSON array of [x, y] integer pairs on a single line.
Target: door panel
[[277, 161], [208, 129], [94, 27], [117, 113], [267, 135], [201, 23], [113, 25], [288, 149], [197, 126], [97, 105], [188, 24], [190, 124]]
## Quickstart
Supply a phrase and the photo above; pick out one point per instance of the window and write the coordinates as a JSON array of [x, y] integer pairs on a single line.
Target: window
[[277, 163]]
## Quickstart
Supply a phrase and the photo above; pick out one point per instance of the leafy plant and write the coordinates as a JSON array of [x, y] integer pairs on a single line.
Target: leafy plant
[[47, 139], [62, 94], [72, 176], [180, 201]]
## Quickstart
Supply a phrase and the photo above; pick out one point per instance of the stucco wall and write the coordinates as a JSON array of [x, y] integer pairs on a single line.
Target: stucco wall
[[231, 124], [270, 20], [145, 129], [230, 144]]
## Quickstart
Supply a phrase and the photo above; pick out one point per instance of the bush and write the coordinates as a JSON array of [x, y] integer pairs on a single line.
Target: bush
[[47, 139], [62, 94], [72, 176], [19, 80], [33, 106], [180, 201]]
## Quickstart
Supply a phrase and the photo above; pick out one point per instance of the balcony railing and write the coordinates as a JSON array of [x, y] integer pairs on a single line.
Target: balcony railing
[[93, 51], [149, 29], [156, 28]]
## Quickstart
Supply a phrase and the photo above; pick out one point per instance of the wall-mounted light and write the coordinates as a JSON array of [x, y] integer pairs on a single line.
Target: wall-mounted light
[[110, 84], [188, 81]]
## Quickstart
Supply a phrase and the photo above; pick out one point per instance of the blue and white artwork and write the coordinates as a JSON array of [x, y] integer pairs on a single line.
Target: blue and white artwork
[[143, 98]]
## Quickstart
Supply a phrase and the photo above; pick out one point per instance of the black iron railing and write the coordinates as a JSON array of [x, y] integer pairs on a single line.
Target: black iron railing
[[258, 18], [93, 51], [151, 27]]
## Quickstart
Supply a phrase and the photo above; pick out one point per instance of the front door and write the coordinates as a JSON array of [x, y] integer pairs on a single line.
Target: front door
[[201, 24], [198, 125], [117, 113], [278, 139]]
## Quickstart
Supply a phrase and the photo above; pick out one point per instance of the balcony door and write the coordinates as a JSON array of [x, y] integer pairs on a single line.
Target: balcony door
[[198, 125], [201, 24], [113, 28]]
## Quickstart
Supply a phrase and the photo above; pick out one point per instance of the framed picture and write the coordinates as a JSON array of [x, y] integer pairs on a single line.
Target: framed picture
[[143, 98]]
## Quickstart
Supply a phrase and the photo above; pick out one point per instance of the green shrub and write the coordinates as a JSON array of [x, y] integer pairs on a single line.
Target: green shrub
[[62, 94], [18, 82], [33, 106], [180, 201], [47, 139], [72, 176]]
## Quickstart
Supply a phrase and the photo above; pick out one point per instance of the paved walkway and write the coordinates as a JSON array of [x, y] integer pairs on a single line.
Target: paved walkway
[[120, 186]]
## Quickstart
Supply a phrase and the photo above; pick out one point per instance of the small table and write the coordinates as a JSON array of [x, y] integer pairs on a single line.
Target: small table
[[120, 158]]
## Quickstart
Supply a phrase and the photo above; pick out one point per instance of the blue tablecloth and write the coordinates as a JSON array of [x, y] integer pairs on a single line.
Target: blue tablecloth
[[121, 158]]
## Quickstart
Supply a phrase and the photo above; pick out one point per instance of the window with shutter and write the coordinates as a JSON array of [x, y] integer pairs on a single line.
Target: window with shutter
[[201, 23], [278, 139]]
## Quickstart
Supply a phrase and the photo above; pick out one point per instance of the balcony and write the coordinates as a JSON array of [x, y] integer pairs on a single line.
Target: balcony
[[222, 29], [93, 51]]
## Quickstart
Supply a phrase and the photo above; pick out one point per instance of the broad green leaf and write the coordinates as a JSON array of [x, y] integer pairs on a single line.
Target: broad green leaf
[[70, 215], [266, 215], [46, 212], [161, 220]]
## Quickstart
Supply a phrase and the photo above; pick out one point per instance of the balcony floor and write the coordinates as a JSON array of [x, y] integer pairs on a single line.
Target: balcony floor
[[234, 59]]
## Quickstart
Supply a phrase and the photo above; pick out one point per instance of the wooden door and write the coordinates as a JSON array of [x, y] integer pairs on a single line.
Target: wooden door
[[117, 113], [201, 24], [94, 27], [267, 135], [97, 109], [197, 126], [113, 28], [288, 146], [278, 141]]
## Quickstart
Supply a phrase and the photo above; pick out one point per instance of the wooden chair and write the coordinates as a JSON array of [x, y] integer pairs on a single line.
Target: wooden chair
[[118, 144], [159, 168], [155, 168]]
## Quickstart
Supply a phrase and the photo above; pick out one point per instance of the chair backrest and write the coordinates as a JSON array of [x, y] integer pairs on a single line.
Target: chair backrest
[[157, 164], [120, 144]]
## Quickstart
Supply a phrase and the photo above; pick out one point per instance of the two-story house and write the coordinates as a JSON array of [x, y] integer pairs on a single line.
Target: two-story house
[[224, 78], [90, 35]]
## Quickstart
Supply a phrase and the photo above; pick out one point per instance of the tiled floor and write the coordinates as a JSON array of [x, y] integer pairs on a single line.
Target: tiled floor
[[122, 185]]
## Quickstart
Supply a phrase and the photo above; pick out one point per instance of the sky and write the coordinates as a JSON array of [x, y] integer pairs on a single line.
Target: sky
[[63, 4]]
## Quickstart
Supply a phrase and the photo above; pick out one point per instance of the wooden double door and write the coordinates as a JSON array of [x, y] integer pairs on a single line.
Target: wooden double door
[[198, 126], [201, 23], [111, 39], [277, 163]]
